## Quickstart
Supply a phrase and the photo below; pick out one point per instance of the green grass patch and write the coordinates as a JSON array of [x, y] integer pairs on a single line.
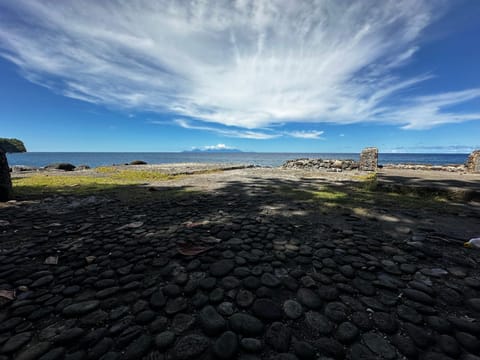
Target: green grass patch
[[109, 181]]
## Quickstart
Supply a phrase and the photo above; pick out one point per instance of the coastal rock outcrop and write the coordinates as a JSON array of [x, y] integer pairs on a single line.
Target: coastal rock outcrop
[[473, 162], [5, 180], [12, 145]]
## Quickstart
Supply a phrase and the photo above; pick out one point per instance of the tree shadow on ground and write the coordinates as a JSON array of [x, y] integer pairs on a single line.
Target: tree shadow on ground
[[302, 232]]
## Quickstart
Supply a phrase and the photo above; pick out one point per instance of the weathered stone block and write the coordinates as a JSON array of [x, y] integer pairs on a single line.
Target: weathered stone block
[[473, 162], [369, 159], [5, 180]]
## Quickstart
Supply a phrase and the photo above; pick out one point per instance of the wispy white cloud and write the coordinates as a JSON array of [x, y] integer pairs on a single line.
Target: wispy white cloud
[[242, 63], [306, 134], [246, 134]]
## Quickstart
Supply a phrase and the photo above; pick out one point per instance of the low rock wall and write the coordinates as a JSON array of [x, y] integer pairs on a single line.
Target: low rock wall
[[321, 164]]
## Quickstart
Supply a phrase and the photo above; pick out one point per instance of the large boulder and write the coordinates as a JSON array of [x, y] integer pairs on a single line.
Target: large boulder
[[473, 162], [5, 180], [369, 159], [60, 166]]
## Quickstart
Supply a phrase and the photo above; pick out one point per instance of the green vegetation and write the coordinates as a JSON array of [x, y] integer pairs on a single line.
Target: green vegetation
[[12, 145], [133, 176], [122, 184]]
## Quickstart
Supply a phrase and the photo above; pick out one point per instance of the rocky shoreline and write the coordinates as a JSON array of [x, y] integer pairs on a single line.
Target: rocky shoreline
[[245, 270]]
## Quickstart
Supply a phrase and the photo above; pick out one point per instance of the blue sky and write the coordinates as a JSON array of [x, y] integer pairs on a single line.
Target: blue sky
[[311, 76]]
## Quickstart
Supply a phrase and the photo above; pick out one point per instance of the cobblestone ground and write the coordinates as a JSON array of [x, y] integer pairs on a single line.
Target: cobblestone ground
[[237, 273]]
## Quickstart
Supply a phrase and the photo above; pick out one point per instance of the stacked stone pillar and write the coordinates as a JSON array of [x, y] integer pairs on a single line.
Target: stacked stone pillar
[[368, 159], [5, 181], [473, 162]]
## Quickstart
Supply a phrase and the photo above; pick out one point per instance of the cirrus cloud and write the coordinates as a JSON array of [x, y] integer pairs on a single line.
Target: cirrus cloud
[[243, 63]]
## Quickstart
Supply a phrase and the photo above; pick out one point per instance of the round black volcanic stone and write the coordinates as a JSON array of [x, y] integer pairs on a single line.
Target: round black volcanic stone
[[138, 348], [270, 280], [226, 345], [245, 324], [172, 290], [158, 300], [419, 335], [213, 323], [330, 346], [468, 341], [251, 344], [190, 347], [318, 323], [409, 314], [449, 345], [304, 350], [16, 342], [221, 268], [278, 336], [347, 332], [439, 324], [244, 298], [251, 282], [336, 311], [360, 352], [175, 305], [309, 298], [35, 351], [69, 335], [292, 309], [418, 296], [379, 345], [267, 309], [405, 345], [385, 322], [164, 339], [81, 308]]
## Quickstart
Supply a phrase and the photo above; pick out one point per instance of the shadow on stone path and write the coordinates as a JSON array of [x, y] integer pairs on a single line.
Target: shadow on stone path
[[285, 278]]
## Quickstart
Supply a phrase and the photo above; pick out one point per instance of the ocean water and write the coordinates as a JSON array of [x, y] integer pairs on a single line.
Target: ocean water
[[94, 159]]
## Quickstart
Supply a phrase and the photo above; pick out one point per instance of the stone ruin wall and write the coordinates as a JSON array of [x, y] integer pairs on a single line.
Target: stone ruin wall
[[473, 162], [369, 162], [320, 164], [368, 159]]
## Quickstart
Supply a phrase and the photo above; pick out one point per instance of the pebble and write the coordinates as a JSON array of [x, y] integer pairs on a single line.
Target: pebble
[[226, 346], [212, 322], [245, 324], [347, 332], [309, 298], [293, 310], [379, 345], [81, 308], [16, 342], [34, 352], [267, 309], [336, 311], [164, 339], [251, 344], [270, 280], [419, 296], [244, 298], [278, 336], [221, 268], [190, 347], [304, 350]]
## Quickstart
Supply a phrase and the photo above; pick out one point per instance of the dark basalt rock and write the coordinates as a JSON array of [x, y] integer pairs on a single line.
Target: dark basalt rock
[[60, 166]]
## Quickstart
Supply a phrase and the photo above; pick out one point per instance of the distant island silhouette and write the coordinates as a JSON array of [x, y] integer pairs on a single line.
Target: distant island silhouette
[[196, 150]]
